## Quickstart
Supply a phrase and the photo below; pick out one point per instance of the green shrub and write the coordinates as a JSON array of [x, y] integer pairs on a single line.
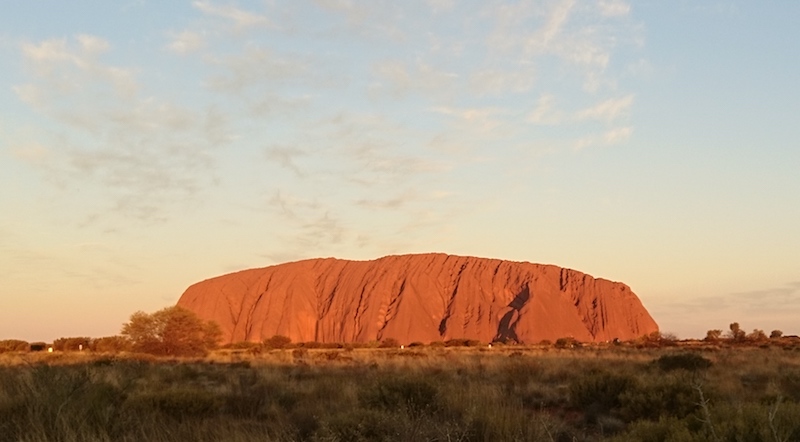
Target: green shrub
[[657, 397], [111, 344], [71, 344], [300, 353], [568, 342], [245, 345], [789, 384], [178, 403], [9, 345], [38, 346], [277, 342], [461, 343], [683, 361], [361, 424], [599, 391], [413, 395], [173, 331], [666, 429], [389, 343]]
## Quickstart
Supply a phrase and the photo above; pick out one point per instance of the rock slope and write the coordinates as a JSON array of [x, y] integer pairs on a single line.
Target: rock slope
[[425, 298]]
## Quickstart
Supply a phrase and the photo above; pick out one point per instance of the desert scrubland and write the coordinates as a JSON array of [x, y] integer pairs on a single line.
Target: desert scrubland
[[683, 392]]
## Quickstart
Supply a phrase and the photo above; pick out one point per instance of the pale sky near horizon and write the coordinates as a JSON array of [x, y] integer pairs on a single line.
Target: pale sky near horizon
[[145, 146]]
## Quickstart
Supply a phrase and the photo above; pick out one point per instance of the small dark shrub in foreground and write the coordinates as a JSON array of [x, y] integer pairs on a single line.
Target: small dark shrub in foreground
[[412, 395], [599, 391], [683, 361]]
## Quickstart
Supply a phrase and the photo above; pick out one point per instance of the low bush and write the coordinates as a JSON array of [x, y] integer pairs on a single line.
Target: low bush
[[111, 344], [177, 403], [461, 343], [389, 343], [654, 398], [567, 343], [599, 391], [683, 361], [9, 345], [38, 346], [277, 342], [72, 344], [413, 396]]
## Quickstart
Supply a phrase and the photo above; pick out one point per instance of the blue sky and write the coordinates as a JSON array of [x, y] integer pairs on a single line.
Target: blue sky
[[144, 147]]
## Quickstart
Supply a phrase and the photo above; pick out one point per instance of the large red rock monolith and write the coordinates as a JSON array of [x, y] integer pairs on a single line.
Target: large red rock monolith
[[425, 298]]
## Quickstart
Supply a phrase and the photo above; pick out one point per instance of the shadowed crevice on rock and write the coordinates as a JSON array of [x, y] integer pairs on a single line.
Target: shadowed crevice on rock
[[508, 323]]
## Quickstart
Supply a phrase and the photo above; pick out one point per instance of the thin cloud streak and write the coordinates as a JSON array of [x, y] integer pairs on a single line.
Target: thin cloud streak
[[241, 19], [147, 153]]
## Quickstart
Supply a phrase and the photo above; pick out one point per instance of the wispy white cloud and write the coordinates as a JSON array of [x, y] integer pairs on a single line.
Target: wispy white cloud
[[240, 18], [542, 39], [376, 19], [441, 5], [500, 82], [186, 42], [309, 225], [404, 199], [31, 152], [401, 78], [146, 153], [474, 119], [394, 202], [545, 112], [613, 136], [356, 12], [286, 157], [612, 8], [92, 44], [55, 61], [617, 135], [608, 110], [256, 66], [292, 206]]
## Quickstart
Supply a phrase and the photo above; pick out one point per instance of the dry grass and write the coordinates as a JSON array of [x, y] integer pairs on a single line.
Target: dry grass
[[421, 393]]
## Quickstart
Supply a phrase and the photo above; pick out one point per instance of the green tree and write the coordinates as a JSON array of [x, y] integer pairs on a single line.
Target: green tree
[[173, 331], [713, 335], [736, 333], [757, 336]]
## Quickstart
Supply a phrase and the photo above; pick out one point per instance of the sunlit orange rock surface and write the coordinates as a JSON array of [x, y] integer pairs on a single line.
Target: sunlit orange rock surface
[[425, 298]]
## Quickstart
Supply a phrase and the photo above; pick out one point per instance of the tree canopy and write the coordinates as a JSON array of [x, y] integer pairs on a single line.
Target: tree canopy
[[173, 331]]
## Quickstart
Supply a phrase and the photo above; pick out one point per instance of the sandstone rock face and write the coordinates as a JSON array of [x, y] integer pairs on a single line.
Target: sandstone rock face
[[425, 298]]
